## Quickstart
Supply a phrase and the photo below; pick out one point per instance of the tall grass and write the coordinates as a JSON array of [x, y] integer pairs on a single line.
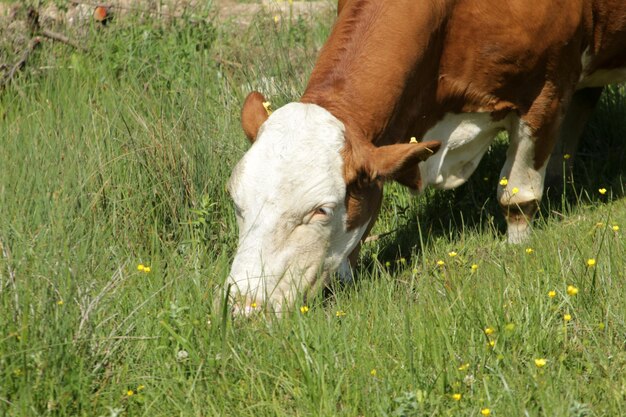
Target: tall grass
[[119, 157]]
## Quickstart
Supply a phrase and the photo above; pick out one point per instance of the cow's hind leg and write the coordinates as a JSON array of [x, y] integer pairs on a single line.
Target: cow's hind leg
[[578, 113]]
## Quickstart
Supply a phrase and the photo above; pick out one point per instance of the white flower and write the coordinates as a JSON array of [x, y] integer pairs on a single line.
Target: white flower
[[182, 355]]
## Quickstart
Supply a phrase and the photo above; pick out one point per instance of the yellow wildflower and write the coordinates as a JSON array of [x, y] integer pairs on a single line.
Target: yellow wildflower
[[489, 330], [276, 18], [304, 309], [615, 228], [474, 267], [464, 367], [485, 412], [140, 388], [551, 293], [140, 267], [452, 254], [440, 263], [340, 313], [591, 262], [601, 326], [567, 317], [571, 290], [130, 392], [529, 250], [504, 182], [253, 304], [492, 344], [60, 302], [567, 156], [602, 191], [540, 362], [457, 397], [515, 190], [146, 269], [373, 372]]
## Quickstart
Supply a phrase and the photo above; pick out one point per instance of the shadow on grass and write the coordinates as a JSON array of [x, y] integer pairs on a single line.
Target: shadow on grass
[[473, 206]]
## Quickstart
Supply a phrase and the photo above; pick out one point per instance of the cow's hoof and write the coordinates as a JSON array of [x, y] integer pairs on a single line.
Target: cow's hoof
[[518, 233]]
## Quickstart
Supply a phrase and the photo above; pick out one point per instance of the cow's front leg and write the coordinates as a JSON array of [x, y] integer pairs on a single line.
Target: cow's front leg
[[522, 177]]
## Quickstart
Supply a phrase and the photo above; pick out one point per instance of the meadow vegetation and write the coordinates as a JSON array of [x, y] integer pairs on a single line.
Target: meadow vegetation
[[116, 235]]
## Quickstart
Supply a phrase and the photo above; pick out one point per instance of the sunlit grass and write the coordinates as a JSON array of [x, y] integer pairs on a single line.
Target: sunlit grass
[[118, 159]]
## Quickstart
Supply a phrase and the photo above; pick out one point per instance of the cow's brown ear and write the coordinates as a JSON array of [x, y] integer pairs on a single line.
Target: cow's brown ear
[[400, 162], [253, 114]]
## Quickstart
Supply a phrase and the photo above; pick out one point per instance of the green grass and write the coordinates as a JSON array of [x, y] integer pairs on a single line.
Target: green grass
[[119, 157]]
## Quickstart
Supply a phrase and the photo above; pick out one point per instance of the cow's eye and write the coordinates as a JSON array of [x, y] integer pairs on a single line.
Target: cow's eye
[[324, 211], [321, 213]]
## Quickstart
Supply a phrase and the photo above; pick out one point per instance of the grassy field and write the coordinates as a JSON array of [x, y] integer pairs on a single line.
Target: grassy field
[[118, 157]]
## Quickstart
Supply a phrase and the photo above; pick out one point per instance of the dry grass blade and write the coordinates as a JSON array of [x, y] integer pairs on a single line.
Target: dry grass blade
[[6, 254], [34, 43], [63, 39], [85, 310]]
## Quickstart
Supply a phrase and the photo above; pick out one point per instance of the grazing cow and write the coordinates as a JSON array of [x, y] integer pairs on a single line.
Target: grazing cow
[[454, 73]]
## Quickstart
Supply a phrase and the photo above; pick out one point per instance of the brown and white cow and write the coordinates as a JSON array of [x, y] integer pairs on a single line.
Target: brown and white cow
[[452, 72]]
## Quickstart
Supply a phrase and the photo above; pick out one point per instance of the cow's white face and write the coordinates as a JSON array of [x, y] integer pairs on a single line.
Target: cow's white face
[[289, 195], [304, 197]]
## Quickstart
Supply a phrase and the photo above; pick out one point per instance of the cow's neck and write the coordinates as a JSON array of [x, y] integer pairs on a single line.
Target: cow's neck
[[368, 73]]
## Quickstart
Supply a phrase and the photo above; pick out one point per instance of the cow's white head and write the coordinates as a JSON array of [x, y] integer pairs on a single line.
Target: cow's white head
[[304, 197]]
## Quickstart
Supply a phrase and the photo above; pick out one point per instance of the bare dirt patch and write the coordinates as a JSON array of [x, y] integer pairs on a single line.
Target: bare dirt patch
[[23, 27], [77, 12]]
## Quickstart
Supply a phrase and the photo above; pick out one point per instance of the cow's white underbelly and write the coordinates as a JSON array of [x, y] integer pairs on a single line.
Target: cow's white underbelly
[[598, 78], [465, 138], [603, 77]]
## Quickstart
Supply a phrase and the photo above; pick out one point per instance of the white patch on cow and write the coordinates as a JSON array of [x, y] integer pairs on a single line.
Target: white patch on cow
[[598, 78], [293, 168], [524, 182], [585, 62], [601, 78], [465, 138]]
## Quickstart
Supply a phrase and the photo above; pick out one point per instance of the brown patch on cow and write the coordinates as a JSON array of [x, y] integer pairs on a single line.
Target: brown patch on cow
[[362, 203], [393, 69], [363, 196], [456, 63], [365, 170], [607, 34], [391, 162], [545, 120], [362, 206], [340, 5], [500, 111], [253, 115]]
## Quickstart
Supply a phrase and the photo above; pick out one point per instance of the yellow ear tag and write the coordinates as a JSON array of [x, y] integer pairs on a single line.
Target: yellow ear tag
[[268, 107], [413, 140]]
